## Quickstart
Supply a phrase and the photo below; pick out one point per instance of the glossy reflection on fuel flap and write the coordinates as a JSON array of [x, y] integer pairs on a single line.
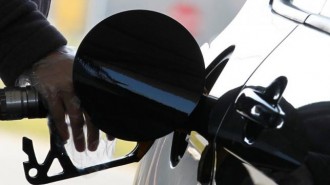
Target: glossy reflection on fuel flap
[[139, 74]]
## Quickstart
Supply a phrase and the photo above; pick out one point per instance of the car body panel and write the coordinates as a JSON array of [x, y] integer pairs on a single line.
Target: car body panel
[[303, 59], [254, 33], [155, 167]]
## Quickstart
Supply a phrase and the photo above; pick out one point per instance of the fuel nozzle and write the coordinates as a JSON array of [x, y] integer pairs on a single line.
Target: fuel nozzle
[[21, 102]]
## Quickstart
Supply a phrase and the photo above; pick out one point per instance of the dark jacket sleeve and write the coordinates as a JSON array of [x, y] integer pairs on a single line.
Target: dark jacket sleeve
[[25, 37], [43, 6]]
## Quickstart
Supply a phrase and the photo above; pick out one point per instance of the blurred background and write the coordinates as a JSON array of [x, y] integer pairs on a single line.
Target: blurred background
[[205, 19]]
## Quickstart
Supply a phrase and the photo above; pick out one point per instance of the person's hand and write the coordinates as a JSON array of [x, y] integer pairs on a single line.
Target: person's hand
[[52, 77]]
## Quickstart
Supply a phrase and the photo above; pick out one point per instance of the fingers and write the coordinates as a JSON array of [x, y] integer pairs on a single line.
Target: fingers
[[67, 103], [52, 77], [76, 119], [57, 111], [110, 137], [93, 134]]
